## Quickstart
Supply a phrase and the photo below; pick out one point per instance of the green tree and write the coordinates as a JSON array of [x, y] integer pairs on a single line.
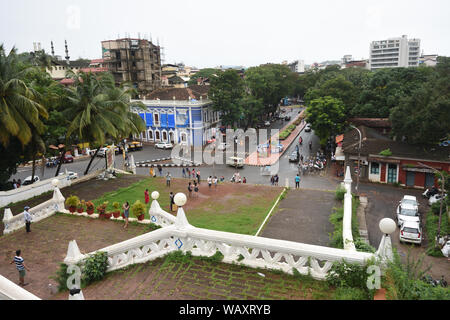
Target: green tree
[[204, 73], [226, 92], [327, 116]]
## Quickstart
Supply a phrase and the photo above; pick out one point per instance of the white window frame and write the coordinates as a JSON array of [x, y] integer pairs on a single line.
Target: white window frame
[[156, 123]]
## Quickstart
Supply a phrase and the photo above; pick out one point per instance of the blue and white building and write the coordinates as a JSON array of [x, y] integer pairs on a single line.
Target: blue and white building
[[191, 122]]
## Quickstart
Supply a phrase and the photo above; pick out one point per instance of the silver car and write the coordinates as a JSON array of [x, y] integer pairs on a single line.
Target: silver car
[[410, 232], [407, 210]]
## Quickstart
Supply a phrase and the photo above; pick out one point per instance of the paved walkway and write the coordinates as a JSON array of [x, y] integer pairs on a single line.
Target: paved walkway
[[303, 217], [254, 159]]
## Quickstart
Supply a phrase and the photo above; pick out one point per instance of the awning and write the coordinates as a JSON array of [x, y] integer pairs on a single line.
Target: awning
[[339, 154]]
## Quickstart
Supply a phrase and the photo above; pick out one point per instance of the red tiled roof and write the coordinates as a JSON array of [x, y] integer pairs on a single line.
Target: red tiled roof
[[94, 70], [191, 92]]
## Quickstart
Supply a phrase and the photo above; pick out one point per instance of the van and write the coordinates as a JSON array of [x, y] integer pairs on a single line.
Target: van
[[235, 162]]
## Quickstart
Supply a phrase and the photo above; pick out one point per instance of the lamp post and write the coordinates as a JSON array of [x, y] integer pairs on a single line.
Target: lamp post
[[359, 157], [438, 233]]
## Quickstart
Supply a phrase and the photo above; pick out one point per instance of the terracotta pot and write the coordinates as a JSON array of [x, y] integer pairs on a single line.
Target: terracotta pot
[[72, 209], [80, 210], [90, 211], [141, 217], [116, 214]]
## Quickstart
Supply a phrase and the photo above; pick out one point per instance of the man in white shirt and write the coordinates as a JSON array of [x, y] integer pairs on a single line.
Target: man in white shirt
[[27, 217]]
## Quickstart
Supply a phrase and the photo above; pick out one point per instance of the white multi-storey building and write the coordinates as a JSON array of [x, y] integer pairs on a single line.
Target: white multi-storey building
[[394, 53]]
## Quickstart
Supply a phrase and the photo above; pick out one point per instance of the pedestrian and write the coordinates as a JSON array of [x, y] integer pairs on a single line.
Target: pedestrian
[[151, 172], [146, 195], [126, 213], [14, 183], [272, 180], [188, 172], [27, 217], [19, 183], [222, 179], [190, 189], [18, 260], [193, 174], [172, 202], [198, 176], [183, 173], [196, 188], [168, 177], [160, 170], [245, 180], [209, 182], [215, 182], [297, 181], [276, 179]]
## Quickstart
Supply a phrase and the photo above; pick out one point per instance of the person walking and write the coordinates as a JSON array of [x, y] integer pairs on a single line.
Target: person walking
[[19, 183], [151, 172], [190, 189], [188, 172], [244, 180], [27, 217], [196, 188], [160, 170], [14, 184], [198, 176], [146, 196], [126, 213], [209, 182], [183, 172], [194, 175], [215, 182], [172, 202], [168, 177], [20, 266], [297, 181], [276, 179]]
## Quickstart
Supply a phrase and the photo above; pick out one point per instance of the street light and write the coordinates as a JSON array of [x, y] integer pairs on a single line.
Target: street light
[[359, 157]]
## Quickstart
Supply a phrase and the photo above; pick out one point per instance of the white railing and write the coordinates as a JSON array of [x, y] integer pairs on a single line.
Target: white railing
[[157, 215], [32, 190], [348, 213], [247, 250], [11, 291], [39, 212]]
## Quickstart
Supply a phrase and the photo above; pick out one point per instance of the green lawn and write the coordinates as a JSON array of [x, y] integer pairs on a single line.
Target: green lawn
[[232, 208]]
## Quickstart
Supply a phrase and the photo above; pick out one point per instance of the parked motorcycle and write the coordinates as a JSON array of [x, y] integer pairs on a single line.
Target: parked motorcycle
[[441, 282], [430, 192]]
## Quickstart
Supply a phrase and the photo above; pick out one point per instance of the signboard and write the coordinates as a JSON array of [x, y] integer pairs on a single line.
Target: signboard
[[110, 157]]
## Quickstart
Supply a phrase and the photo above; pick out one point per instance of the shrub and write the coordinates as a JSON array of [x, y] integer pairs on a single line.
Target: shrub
[[82, 204], [360, 245], [340, 193], [72, 201], [116, 205], [431, 225], [386, 152], [138, 208], [89, 205], [342, 293], [94, 267], [102, 207]]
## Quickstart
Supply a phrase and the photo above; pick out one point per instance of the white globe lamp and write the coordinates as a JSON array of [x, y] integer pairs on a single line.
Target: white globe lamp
[[387, 225], [155, 195], [180, 199]]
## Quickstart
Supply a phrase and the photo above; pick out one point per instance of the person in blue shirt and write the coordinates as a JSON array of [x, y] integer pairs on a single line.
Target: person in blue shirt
[[297, 181]]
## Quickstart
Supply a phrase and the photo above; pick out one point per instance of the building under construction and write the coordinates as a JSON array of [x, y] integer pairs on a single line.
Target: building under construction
[[135, 60]]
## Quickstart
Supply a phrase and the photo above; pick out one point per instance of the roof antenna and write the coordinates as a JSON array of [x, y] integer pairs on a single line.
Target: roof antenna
[[53, 49], [67, 53]]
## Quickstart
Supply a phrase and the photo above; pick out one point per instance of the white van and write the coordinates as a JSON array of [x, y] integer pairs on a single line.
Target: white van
[[235, 162]]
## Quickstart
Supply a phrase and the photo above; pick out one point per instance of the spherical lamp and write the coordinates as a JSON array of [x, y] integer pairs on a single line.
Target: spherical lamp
[[387, 225], [155, 195], [55, 182], [180, 199]]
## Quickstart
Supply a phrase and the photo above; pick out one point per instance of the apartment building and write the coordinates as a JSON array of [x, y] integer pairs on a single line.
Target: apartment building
[[394, 53], [135, 60]]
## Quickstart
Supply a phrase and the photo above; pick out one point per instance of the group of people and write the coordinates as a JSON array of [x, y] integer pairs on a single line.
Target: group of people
[[274, 180], [16, 184], [236, 178]]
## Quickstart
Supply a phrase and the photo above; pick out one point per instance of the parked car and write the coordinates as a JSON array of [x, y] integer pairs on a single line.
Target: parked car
[[407, 210], [235, 162], [446, 249], [135, 146], [71, 175], [28, 180], [267, 123], [102, 152], [287, 118], [164, 145], [68, 158], [435, 198], [411, 231], [293, 157], [308, 128]]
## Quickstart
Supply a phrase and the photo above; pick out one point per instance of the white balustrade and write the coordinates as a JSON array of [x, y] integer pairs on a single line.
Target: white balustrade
[[11, 291], [348, 213]]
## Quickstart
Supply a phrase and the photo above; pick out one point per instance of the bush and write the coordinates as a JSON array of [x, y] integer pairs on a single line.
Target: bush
[[340, 193], [342, 293], [386, 153], [89, 205], [72, 201], [360, 245], [94, 267], [116, 205], [431, 225], [138, 208]]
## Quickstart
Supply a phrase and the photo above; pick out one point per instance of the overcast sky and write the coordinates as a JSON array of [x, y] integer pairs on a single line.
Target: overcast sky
[[208, 33]]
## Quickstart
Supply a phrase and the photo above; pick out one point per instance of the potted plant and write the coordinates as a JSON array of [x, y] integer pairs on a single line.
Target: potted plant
[[138, 210], [101, 209], [116, 212], [80, 208], [89, 207], [72, 202]]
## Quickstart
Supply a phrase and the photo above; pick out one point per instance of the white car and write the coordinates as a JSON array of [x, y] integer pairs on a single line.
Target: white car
[[410, 232], [308, 128], [70, 175], [28, 180], [446, 249], [267, 123], [407, 210], [164, 145], [435, 198], [222, 146], [102, 152]]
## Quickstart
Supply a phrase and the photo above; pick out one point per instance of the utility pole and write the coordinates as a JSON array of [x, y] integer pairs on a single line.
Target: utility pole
[[359, 157], [438, 233]]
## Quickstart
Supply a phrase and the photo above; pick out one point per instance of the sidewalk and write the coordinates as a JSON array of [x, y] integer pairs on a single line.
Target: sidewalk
[[255, 160]]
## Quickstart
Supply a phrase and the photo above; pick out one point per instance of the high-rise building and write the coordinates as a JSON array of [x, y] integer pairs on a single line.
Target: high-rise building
[[297, 66], [394, 53], [135, 60]]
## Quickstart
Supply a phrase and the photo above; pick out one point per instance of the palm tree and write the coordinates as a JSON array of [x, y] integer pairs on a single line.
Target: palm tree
[[99, 110], [19, 111]]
